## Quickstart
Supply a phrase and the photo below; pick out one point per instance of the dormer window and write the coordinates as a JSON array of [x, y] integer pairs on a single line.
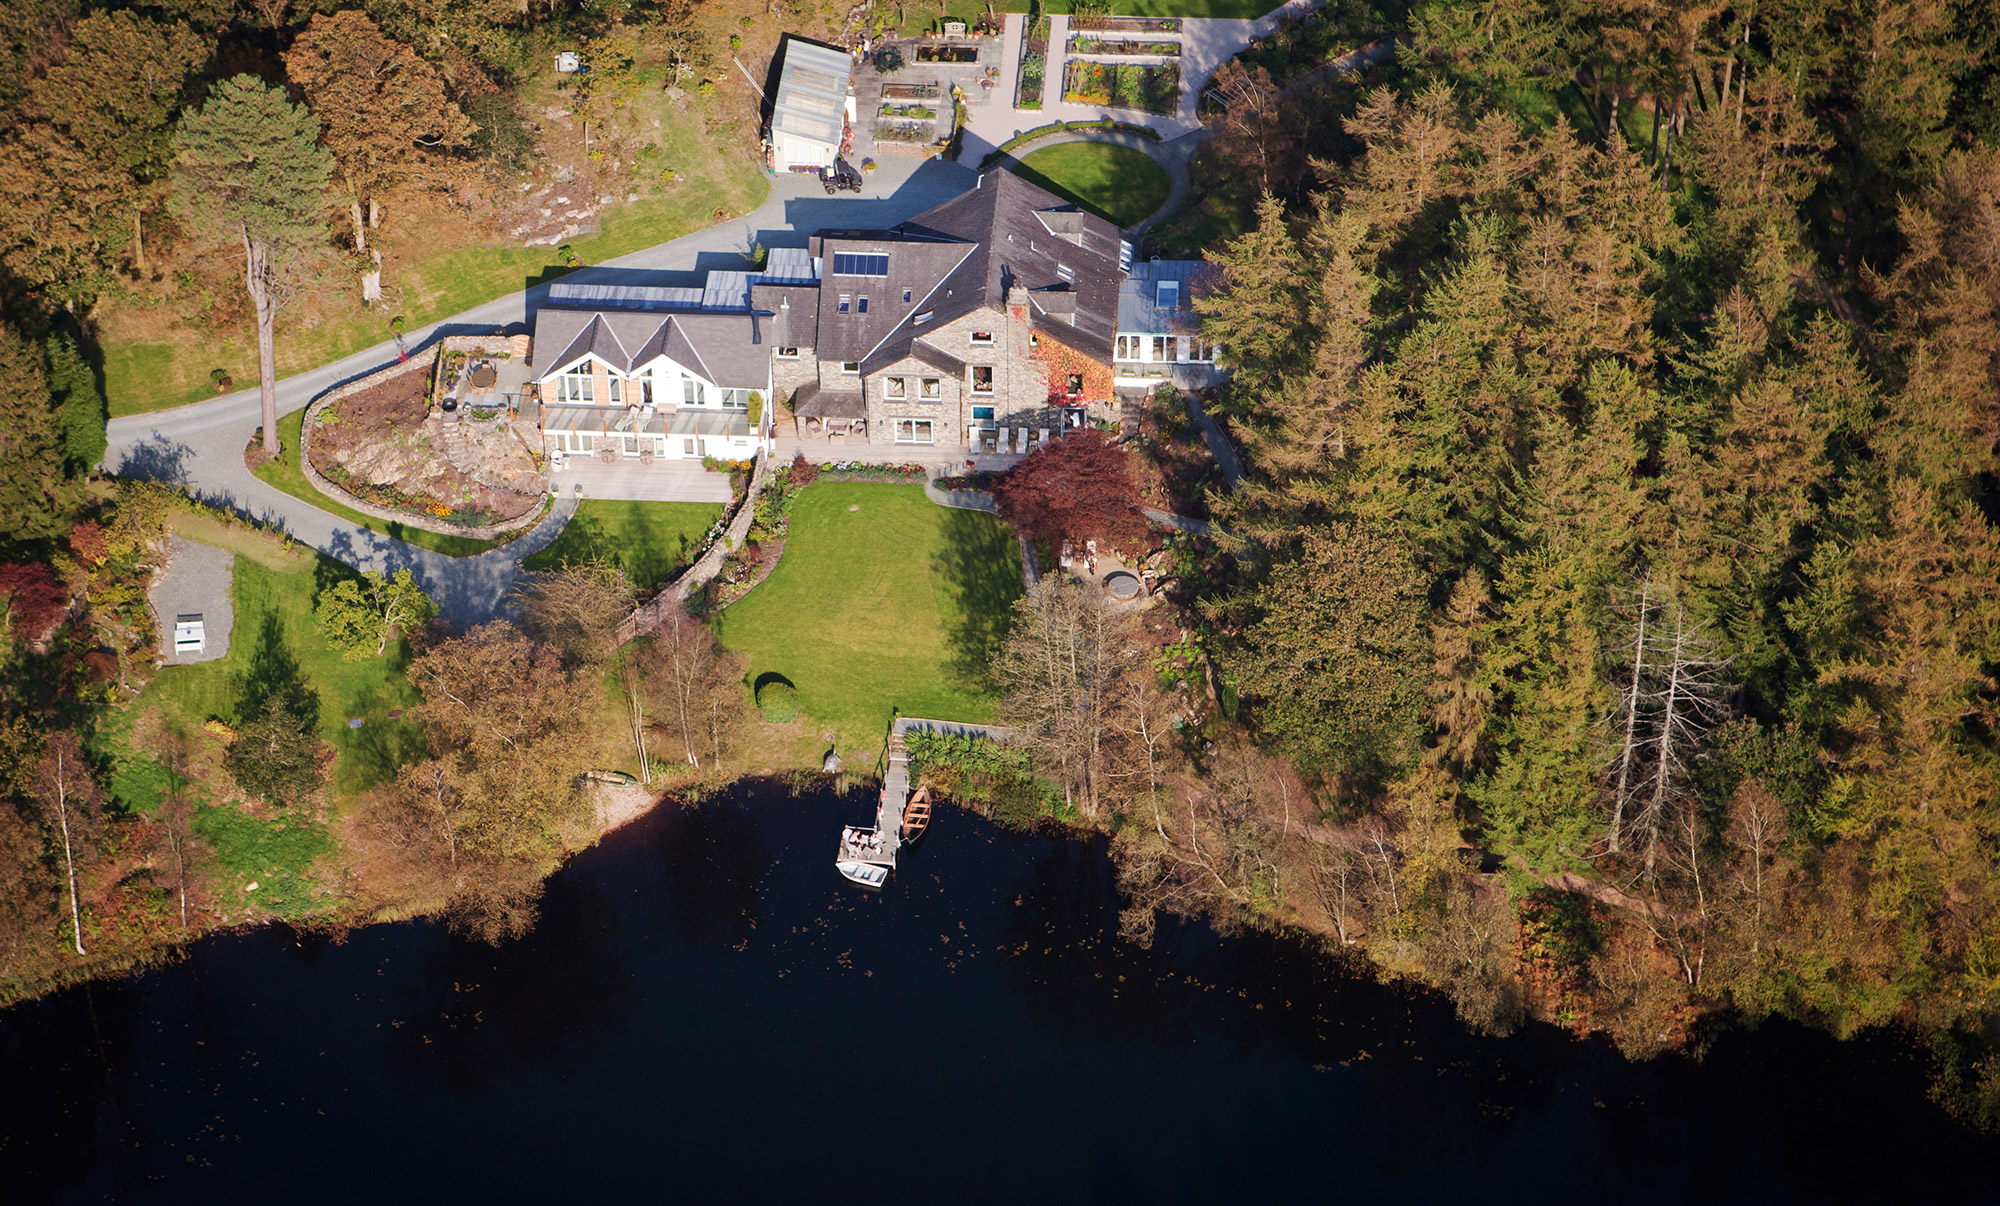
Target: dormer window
[[1167, 294], [850, 368], [861, 304], [788, 353], [982, 338]]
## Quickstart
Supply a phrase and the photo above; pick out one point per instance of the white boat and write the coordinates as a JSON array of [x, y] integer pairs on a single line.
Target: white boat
[[868, 875]]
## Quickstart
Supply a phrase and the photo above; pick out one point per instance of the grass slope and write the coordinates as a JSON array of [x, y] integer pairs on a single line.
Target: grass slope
[[897, 606], [1120, 184], [648, 540], [285, 474]]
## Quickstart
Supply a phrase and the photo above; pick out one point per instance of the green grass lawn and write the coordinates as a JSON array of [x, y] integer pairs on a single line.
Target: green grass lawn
[[650, 541], [274, 625], [897, 607], [1121, 184], [285, 474]]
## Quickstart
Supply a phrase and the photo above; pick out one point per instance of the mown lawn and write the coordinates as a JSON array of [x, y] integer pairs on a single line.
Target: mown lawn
[[285, 474], [650, 541], [1120, 184], [895, 606]]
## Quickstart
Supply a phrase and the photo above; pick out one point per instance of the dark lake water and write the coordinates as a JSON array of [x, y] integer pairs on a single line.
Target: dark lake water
[[707, 1012]]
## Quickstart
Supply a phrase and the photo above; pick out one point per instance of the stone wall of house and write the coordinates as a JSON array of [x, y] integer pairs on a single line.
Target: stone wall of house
[[475, 345], [789, 376]]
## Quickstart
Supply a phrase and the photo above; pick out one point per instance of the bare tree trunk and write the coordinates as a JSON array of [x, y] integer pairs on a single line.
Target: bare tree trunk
[[139, 240], [256, 273], [1630, 751], [69, 855], [360, 231]]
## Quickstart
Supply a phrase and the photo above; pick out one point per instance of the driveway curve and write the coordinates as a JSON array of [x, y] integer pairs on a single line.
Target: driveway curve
[[199, 447]]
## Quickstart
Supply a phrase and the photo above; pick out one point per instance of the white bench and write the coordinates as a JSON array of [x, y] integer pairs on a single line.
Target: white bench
[[190, 635]]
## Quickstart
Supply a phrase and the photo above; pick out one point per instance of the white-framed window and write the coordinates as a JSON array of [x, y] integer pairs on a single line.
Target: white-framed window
[[693, 393], [687, 445], [851, 368], [788, 353], [1075, 384], [982, 378], [1066, 272], [1128, 348], [577, 385], [894, 388], [614, 389], [933, 388], [914, 431], [982, 338], [923, 318], [861, 304], [1159, 349], [846, 302], [736, 399], [1200, 350]]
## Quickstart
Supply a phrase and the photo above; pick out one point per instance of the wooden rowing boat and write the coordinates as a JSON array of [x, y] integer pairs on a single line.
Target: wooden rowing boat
[[917, 814]]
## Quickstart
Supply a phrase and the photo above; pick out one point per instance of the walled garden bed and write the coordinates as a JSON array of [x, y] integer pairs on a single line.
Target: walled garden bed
[[1028, 83], [1124, 46], [1154, 88], [1127, 24], [947, 54]]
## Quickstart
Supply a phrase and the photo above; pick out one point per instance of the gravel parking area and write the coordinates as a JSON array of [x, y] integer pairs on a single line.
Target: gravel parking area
[[196, 581]]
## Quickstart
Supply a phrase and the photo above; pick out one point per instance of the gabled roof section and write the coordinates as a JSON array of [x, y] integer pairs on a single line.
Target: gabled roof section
[[721, 347], [928, 270], [1028, 237], [793, 311]]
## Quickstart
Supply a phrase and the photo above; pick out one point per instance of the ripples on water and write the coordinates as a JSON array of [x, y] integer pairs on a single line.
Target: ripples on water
[[708, 1012]]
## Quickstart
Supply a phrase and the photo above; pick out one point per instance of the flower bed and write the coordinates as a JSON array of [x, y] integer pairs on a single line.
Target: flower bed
[[1123, 46], [1034, 65], [1154, 88], [909, 92], [917, 112], [947, 54], [857, 471], [904, 133], [1127, 24]]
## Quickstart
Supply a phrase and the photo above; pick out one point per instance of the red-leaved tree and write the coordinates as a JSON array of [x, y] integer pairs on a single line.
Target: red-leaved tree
[[1076, 488], [34, 600]]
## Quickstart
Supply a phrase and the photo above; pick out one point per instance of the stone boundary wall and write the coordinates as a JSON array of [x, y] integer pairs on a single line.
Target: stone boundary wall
[[647, 615], [476, 344]]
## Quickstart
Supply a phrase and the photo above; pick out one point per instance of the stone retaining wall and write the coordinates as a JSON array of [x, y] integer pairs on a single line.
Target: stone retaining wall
[[647, 615], [471, 344]]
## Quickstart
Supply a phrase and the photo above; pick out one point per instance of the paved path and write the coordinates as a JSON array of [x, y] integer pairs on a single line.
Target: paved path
[[200, 446], [196, 581]]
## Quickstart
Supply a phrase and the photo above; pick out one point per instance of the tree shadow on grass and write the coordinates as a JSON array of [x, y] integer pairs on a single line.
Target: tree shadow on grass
[[980, 568], [274, 673]]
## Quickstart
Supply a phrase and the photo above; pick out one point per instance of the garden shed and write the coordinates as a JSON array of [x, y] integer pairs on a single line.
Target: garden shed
[[810, 113]]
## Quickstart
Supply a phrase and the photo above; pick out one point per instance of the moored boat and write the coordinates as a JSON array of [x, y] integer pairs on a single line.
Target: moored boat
[[868, 875], [917, 814]]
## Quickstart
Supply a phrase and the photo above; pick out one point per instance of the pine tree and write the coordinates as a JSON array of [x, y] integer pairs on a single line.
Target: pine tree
[[81, 405], [37, 498], [250, 170]]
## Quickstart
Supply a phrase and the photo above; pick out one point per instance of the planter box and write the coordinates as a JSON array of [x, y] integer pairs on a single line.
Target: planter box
[[1125, 25], [1131, 47]]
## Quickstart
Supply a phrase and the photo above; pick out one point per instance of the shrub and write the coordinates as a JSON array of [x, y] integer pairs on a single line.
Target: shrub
[[804, 472], [777, 699], [888, 59]]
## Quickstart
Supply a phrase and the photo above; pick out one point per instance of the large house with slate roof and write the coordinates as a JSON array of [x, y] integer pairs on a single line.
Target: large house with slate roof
[[988, 323]]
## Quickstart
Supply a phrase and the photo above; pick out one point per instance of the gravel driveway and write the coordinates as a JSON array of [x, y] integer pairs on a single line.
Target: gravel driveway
[[196, 582]]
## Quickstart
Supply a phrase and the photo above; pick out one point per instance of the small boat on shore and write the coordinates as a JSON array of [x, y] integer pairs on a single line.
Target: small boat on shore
[[868, 875], [917, 814]]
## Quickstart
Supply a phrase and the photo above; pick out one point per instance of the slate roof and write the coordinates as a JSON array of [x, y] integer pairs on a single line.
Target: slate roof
[[924, 267], [794, 314], [1138, 298], [721, 347], [813, 402]]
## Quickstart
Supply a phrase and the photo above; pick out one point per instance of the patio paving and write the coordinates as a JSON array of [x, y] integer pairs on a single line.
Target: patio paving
[[630, 480]]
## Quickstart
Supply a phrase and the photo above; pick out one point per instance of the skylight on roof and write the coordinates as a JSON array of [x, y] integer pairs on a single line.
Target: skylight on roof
[[856, 264], [1167, 294]]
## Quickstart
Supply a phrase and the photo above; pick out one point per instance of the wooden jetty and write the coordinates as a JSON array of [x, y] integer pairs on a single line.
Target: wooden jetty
[[900, 817]]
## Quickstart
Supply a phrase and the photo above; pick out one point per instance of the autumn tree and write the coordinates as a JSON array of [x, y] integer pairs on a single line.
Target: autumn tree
[[356, 613], [384, 113], [1077, 488], [692, 687], [1058, 675], [576, 609], [250, 170], [77, 176]]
